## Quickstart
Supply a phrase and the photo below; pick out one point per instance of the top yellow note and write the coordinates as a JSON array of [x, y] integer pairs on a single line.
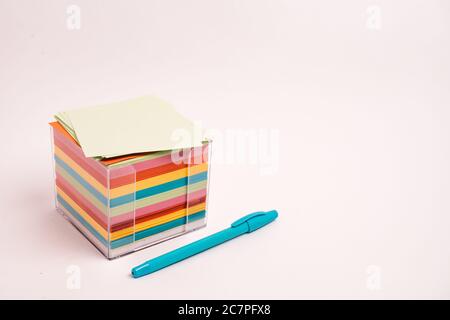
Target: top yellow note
[[143, 124]]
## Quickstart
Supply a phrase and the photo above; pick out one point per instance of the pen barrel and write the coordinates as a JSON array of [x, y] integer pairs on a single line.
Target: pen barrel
[[188, 250]]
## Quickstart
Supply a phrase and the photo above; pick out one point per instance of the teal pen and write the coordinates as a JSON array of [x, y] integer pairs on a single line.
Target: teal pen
[[246, 224]]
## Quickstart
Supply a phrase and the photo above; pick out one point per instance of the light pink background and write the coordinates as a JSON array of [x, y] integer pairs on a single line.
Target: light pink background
[[363, 117]]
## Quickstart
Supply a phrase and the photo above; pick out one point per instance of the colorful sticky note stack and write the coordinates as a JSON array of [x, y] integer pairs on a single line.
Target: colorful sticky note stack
[[128, 202]]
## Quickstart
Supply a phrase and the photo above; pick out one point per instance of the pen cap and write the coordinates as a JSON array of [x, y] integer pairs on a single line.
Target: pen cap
[[256, 220]]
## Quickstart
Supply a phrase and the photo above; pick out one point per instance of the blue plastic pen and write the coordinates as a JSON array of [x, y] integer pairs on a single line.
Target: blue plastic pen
[[247, 224]]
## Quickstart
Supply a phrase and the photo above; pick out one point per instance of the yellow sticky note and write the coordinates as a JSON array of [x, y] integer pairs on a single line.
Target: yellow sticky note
[[143, 124]]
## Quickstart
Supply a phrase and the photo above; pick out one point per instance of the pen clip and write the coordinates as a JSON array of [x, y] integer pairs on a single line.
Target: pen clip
[[246, 218]]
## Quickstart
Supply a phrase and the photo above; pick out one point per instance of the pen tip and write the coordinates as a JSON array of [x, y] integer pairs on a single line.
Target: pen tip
[[273, 212]]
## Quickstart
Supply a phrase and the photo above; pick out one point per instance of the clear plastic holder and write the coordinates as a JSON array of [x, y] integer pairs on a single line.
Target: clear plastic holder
[[197, 156], [123, 208], [127, 174]]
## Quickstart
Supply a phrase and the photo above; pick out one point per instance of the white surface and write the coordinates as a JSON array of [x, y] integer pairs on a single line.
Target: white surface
[[363, 119]]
